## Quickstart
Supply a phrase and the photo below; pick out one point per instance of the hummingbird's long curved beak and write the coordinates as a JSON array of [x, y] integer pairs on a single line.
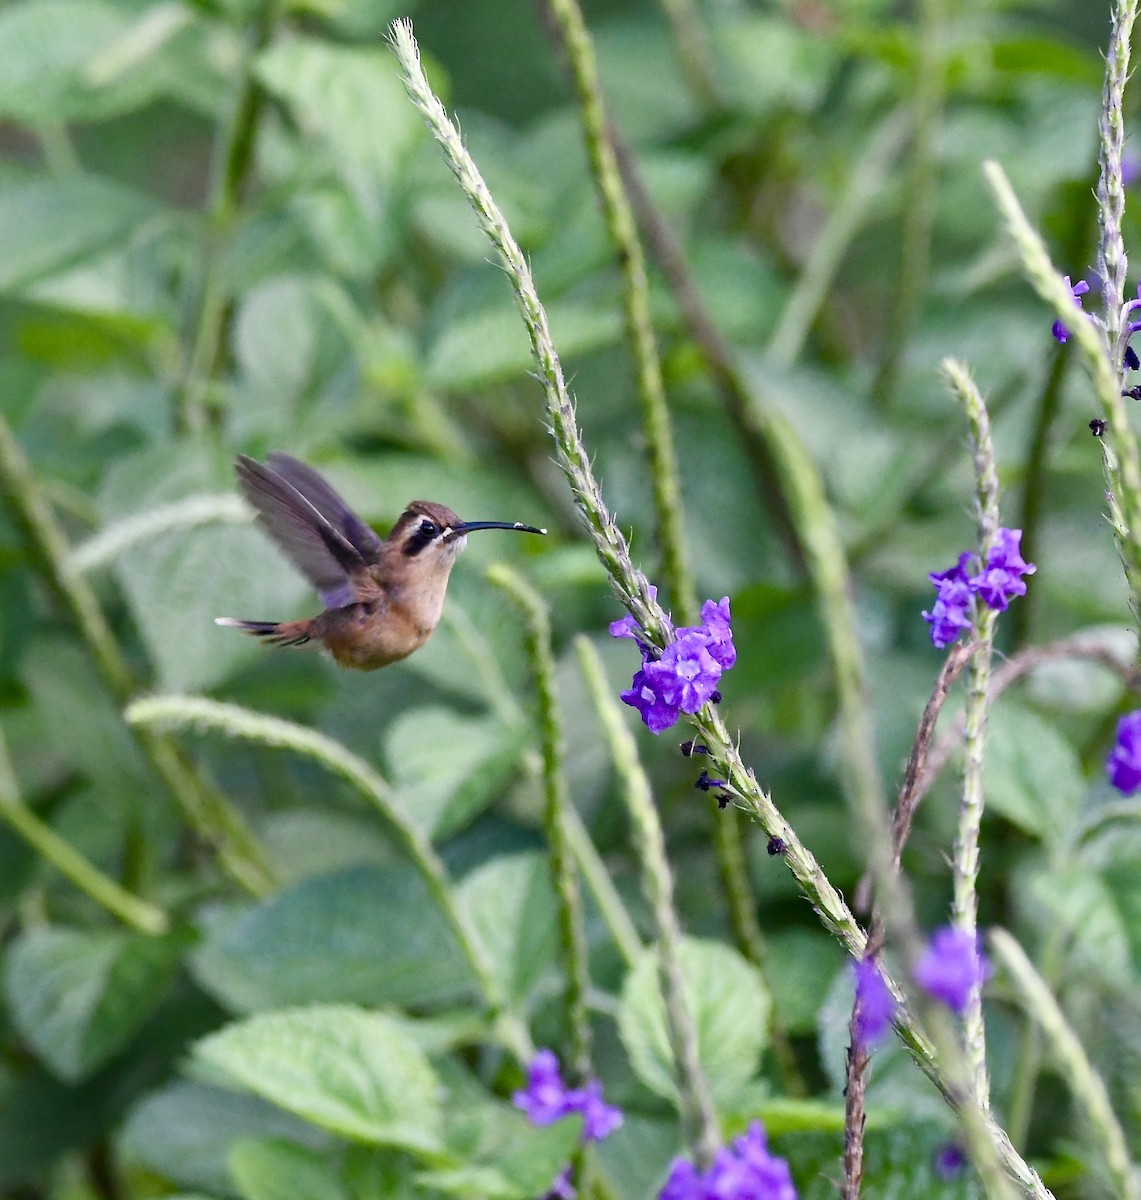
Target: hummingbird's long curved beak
[[468, 526]]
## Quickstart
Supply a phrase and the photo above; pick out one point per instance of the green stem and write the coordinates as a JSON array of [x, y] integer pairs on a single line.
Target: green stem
[[1086, 1085], [919, 195], [696, 1103], [694, 52], [656, 424], [965, 900], [207, 810], [232, 164], [1119, 447], [572, 930], [832, 242], [140, 915]]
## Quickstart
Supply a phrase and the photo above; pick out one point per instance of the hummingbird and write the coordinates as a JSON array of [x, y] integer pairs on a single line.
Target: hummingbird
[[382, 596]]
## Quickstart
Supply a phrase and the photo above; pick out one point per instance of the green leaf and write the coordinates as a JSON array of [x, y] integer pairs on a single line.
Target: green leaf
[[80, 996], [354, 1073], [366, 935], [729, 1006], [51, 50], [445, 790], [51, 225], [514, 1160], [512, 906], [1032, 774], [349, 101], [273, 1169], [488, 346], [184, 1132]]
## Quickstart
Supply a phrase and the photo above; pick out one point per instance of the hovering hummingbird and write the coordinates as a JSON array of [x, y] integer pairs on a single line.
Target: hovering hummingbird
[[382, 597]]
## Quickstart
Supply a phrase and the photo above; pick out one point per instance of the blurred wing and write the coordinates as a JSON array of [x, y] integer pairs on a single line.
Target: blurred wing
[[328, 502], [321, 553]]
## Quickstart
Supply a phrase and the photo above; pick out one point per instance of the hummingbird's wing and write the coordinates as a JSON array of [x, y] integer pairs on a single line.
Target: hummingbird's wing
[[321, 553], [328, 502]]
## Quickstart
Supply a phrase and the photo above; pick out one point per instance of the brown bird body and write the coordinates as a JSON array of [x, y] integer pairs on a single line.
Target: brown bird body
[[383, 597]]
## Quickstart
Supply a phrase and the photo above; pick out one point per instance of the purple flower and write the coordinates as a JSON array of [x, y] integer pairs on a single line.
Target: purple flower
[[546, 1098], [655, 712], [995, 584], [876, 1003], [1124, 762], [949, 1161], [950, 967], [1132, 362], [1001, 578], [1077, 290], [684, 677], [743, 1171]]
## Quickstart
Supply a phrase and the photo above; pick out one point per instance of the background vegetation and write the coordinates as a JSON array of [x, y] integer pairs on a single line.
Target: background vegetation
[[225, 229]]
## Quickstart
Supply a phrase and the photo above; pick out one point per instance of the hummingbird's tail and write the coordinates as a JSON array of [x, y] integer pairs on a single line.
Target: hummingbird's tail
[[284, 633]]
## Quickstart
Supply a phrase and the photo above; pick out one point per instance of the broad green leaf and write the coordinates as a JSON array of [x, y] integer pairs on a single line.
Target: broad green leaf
[[352, 1072], [523, 1161], [1031, 773], [349, 100], [274, 1169], [513, 909], [79, 996], [60, 59], [1083, 912], [50, 225], [366, 935], [490, 346], [769, 63], [184, 1132], [729, 1005], [444, 788]]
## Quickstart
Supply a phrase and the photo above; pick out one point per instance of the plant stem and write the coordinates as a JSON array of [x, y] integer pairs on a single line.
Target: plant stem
[[572, 931], [72, 865], [1086, 1085], [233, 161], [207, 811], [656, 425], [698, 1117]]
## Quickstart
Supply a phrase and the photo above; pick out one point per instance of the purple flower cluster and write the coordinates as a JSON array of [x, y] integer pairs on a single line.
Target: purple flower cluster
[[1124, 762], [546, 1099], [684, 677], [999, 580], [743, 1171], [950, 967], [1077, 290], [876, 1003]]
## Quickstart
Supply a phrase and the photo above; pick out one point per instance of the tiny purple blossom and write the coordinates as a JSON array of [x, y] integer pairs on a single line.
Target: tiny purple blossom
[[948, 616], [1001, 578], [877, 1004], [1124, 762], [950, 967], [744, 1170], [1077, 290], [656, 713], [949, 1161], [684, 677], [546, 1098]]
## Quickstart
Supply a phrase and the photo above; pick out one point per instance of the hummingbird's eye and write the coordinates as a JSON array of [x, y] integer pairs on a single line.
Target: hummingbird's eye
[[429, 529]]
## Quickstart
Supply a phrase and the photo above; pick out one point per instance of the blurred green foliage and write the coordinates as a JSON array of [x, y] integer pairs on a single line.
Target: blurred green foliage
[[225, 230]]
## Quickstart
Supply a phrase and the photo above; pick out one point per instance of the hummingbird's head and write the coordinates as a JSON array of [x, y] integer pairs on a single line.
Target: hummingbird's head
[[431, 534]]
